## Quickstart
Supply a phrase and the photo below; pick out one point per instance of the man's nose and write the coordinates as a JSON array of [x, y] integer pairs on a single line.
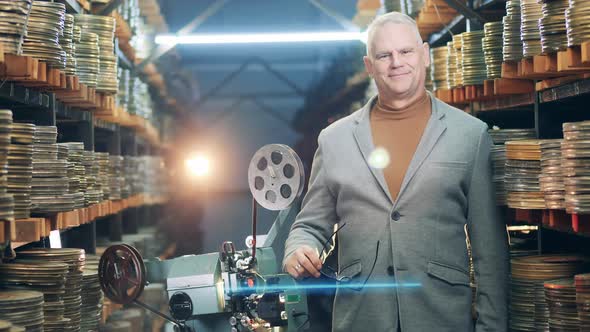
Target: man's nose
[[396, 60]]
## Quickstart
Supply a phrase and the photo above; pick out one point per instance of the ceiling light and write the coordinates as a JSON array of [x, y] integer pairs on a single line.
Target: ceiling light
[[259, 38], [198, 166]]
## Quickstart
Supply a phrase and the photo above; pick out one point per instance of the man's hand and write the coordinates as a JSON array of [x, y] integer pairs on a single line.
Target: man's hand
[[303, 262]]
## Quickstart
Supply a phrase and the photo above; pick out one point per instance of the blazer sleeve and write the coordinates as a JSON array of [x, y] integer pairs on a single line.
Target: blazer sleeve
[[315, 222], [489, 241]]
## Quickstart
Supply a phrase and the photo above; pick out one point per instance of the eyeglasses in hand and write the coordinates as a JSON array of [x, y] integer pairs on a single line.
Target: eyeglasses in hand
[[332, 273]]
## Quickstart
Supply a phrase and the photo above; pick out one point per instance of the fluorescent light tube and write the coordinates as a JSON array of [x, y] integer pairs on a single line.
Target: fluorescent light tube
[[257, 38]]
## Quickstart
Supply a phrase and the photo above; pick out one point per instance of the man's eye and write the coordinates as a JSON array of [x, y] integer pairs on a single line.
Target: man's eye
[[407, 51]]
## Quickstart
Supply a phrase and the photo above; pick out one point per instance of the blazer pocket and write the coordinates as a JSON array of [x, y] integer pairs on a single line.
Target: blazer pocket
[[351, 270], [348, 272], [450, 274], [449, 164]]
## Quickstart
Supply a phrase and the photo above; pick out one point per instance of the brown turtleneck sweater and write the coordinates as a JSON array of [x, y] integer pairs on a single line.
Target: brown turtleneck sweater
[[399, 130]]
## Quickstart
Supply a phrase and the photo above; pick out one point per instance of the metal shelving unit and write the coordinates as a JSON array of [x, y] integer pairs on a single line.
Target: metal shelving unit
[[545, 111], [33, 105], [13, 93], [568, 90]]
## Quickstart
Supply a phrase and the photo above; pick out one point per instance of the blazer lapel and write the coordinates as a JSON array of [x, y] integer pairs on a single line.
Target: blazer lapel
[[364, 139], [434, 129]]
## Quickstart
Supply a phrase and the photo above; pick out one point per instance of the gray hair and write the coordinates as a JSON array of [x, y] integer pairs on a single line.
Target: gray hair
[[392, 17]]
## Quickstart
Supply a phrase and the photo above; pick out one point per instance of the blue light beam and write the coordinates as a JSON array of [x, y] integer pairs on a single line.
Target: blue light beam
[[329, 286]]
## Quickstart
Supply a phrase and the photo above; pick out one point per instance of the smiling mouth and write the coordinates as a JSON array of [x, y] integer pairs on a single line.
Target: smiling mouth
[[397, 75]]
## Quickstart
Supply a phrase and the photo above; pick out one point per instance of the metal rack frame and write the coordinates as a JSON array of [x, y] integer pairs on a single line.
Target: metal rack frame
[[42, 108]]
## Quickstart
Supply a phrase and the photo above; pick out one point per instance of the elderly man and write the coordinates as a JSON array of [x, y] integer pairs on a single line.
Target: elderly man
[[403, 258]]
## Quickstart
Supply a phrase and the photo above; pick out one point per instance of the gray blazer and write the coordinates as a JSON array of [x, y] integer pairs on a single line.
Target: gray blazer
[[421, 235]]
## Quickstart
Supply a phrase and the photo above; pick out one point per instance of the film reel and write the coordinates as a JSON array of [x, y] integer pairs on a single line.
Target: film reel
[[275, 176], [122, 274]]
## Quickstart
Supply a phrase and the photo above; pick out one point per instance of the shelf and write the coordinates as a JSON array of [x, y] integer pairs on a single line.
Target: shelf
[[105, 125], [568, 90], [558, 229], [65, 112], [34, 229], [557, 220], [23, 96], [505, 102], [565, 87], [24, 101]]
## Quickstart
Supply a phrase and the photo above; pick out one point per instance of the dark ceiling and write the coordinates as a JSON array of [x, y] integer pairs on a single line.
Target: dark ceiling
[[249, 94]]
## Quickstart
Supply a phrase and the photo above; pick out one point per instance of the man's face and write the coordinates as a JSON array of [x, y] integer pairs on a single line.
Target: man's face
[[398, 61]]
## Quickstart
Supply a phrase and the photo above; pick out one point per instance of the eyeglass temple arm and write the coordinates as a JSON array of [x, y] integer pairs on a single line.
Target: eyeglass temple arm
[[324, 246], [374, 263]]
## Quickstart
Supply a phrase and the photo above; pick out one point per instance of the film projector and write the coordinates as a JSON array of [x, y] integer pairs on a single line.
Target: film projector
[[230, 290]]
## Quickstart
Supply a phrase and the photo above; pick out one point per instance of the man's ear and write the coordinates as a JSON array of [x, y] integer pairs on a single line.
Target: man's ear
[[426, 49], [368, 65]]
